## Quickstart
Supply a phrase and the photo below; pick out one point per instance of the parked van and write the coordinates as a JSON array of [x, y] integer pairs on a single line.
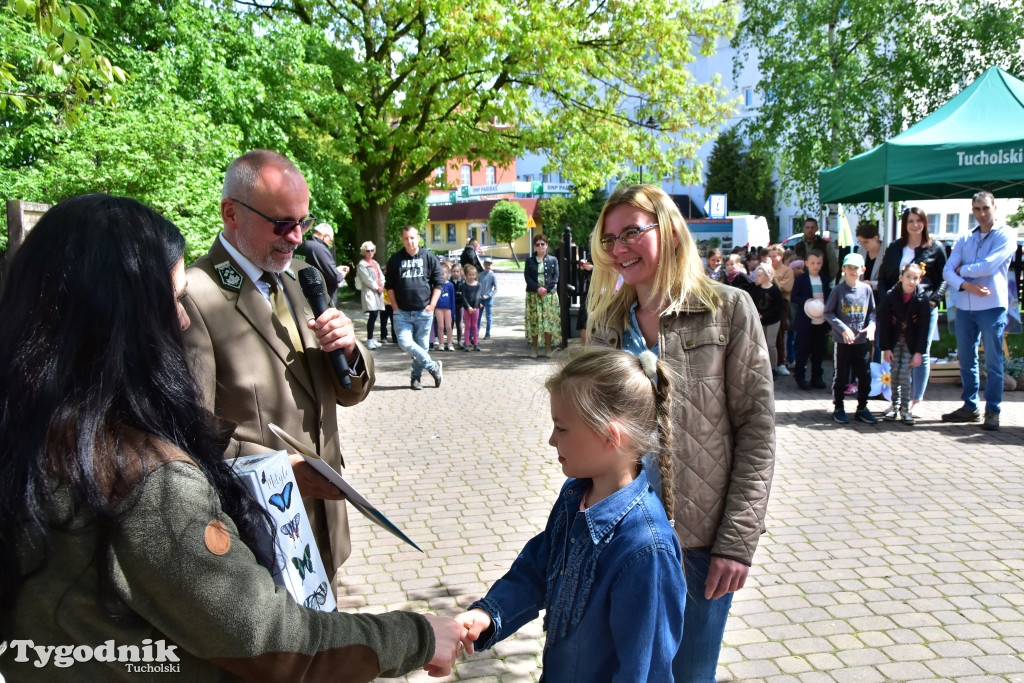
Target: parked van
[[749, 231], [734, 231]]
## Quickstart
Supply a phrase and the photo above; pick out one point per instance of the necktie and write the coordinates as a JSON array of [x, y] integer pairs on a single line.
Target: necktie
[[281, 310]]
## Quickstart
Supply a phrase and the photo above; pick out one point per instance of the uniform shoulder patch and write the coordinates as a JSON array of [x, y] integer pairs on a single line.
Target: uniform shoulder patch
[[229, 277], [290, 273], [217, 538]]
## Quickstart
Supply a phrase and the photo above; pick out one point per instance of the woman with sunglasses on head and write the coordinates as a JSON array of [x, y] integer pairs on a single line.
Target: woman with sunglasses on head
[[542, 313], [122, 526], [650, 292]]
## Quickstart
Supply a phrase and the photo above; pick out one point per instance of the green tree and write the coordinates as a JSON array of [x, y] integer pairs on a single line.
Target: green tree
[[742, 175], [51, 38], [838, 78], [507, 224], [417, 83], [725, 164]]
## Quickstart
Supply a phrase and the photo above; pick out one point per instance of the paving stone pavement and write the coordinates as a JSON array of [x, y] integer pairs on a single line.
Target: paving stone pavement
[[893, 553]]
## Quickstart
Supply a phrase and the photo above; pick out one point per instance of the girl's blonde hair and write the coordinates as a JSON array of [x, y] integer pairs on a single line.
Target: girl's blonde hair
[[605, 385], [680, 271], [767, 269], [469, 269]]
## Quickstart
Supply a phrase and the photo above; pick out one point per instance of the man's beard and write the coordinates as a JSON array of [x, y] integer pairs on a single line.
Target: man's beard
[[266, 261]]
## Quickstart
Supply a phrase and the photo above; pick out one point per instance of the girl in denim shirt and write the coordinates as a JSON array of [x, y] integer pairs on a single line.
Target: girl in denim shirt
[[607, 568]]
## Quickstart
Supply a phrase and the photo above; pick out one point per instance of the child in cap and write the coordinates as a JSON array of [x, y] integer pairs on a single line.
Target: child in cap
[[850, 310]]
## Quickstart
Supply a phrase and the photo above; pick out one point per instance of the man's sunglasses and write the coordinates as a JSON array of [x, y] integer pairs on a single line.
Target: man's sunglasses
[[280, 227]]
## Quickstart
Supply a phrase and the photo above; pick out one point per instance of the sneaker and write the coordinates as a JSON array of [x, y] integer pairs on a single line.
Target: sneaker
[[962, 414], [839, 415], [851, 389], [991, 421], [451, 347], [818, 383], [436, 374], [864, 415], [784, 371], [432, 347], [487, 336], [372, 344], [416, 384], [892, 414], [476, 347], [384, 340], [465, 347], [802, 383], [908, 418]]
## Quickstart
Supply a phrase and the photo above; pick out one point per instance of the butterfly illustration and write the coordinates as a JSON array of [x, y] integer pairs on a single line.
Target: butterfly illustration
[[291, 529], [304, 565], [282, 501], [318, 597]]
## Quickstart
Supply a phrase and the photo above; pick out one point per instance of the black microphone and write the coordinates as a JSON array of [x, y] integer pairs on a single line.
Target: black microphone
[[313, 289]]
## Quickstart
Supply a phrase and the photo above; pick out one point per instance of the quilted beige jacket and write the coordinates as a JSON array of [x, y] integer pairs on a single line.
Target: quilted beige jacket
[[724, 422]]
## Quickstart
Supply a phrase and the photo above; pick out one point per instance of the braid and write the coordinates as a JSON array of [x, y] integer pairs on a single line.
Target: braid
[[666, 459]]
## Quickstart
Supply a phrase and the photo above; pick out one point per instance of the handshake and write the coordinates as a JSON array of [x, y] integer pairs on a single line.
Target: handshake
[[452, 636]]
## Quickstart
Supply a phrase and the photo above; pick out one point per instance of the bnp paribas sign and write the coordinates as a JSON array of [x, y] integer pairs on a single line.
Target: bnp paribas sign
[[997, 157]]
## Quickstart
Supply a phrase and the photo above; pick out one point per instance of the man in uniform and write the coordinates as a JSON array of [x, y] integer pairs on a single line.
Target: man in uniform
[[257, 354]]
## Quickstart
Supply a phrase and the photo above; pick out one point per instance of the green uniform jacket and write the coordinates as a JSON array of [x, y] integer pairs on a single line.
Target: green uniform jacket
[[222, 613]]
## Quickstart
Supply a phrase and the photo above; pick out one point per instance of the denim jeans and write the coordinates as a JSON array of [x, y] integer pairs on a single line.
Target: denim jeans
[[488, 303], [920, 374], [986, 325], [413, 330], [703, 623]]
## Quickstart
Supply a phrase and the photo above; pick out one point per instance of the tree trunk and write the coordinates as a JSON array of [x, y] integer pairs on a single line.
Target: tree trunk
[[514, 257], [371, 225]]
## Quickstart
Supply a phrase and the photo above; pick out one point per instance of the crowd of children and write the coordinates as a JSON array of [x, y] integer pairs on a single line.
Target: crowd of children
[[799, 309], [459, 307]]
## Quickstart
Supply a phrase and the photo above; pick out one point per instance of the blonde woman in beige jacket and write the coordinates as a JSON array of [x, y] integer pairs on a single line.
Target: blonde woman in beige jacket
[[649, 292]]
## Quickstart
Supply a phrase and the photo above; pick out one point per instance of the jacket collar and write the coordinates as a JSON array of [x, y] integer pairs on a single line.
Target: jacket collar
[[252, 305], [602, 518]]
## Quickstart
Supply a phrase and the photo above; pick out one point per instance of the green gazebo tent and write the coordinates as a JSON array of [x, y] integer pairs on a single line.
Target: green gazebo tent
[[974, 141]]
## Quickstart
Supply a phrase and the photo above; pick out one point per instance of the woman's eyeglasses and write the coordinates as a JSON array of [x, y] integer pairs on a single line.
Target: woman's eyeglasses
[[280, 227], [627, 236]]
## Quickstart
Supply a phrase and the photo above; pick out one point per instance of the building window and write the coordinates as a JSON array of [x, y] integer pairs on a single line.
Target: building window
[[435, 231], [466, 174], [934, 223], [952, 223], [748, 97], [490, 175], [451, 233]]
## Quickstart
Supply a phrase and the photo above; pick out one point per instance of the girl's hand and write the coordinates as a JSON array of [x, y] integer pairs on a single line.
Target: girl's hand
[[475, 622], [887, 356], [916, 361]]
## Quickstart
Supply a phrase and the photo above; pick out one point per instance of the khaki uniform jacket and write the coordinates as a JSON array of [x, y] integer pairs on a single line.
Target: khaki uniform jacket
[[724, 421], [249, 374]]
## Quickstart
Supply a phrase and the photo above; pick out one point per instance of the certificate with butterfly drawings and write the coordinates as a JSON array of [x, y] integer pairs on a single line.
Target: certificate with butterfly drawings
[[297, 565], [353, 496]]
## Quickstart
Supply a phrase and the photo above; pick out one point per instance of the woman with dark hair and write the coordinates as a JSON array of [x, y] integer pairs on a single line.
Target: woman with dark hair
[[121, 524], [542, 312], [871, 249], [915, 245]]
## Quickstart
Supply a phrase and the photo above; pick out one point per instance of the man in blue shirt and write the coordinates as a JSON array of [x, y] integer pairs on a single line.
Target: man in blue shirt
[[977, 272]]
